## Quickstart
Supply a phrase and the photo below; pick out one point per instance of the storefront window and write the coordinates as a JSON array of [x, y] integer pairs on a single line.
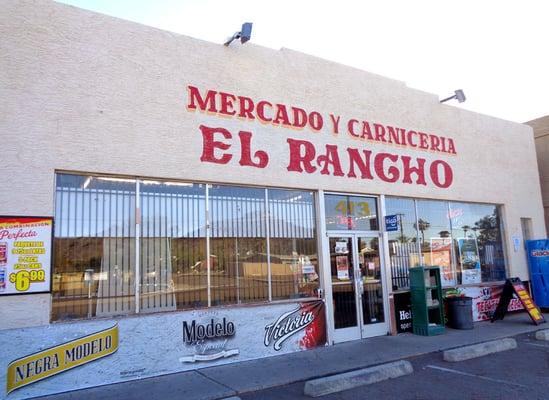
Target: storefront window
[[172, 246], [96, 240], [463, 239], [94, 247], [351, 213], [404, 242], [238, 245], [477, 242], [293, 244], [433, 225]]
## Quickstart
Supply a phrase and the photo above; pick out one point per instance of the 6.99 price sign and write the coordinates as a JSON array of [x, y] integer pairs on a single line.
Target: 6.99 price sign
[[25, 254]]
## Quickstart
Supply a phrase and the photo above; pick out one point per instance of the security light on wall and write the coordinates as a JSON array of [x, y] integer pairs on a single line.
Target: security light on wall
[[244, 35], [459, 96]]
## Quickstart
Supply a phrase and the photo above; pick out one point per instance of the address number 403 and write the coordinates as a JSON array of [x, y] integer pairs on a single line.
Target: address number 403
[[362, 208]]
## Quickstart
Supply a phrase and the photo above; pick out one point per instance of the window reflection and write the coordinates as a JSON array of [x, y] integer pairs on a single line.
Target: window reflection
[[172, 246], [370, 268], [433, 226], [95, 245], [238, 245], [403, 243], [94, 253], [293, 244], [464, 239], [478, 243]]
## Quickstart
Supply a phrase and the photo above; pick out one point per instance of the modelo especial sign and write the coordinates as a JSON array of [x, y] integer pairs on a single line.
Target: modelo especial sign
[[25, 254], [208, 340], [221, 146]]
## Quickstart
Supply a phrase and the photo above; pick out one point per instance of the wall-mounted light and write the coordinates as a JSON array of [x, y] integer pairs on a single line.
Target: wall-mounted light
[[459, 96], [244, 35]]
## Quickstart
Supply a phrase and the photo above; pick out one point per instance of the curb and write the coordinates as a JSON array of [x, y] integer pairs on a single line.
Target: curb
[[479, 350], [349, 380], [543, 335]]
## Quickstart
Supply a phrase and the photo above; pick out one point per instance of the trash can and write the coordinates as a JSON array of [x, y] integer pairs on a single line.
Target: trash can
[[460, 312]]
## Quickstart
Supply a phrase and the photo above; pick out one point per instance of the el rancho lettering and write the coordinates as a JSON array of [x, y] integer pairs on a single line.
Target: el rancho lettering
[[196, 332], [221, 146], [306, 158]]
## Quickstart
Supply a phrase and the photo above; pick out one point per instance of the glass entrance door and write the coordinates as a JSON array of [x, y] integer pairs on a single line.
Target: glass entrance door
[[357, 287], [371, 286], [342, 265]]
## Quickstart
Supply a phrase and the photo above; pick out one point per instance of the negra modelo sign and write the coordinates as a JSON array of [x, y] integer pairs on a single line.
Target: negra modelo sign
[[52, 361], [195, 332]]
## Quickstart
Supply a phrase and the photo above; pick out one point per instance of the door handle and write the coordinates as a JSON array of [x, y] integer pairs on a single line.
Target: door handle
[[358, 280]]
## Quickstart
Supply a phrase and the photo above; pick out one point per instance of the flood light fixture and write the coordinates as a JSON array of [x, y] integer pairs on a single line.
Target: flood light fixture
[[459, 96], [244, 34]]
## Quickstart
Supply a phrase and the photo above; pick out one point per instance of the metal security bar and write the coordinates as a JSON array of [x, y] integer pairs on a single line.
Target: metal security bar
[[293, 244], [173, 246], [438, 230], [239, 272], [101, 247], [403, 255], [93, 247]]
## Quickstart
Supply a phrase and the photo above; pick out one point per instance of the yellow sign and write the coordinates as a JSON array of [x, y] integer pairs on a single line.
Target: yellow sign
[[54, 360]]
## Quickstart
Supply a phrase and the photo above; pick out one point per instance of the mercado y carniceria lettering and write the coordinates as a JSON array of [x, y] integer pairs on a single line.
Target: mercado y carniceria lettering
[[230, 105]]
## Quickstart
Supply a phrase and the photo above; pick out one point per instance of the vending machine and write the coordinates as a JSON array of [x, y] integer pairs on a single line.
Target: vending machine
[[538, 260]]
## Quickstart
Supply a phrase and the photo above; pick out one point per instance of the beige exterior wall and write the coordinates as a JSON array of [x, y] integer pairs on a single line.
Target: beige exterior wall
[[25, 311], [541, 135], [80, 91]]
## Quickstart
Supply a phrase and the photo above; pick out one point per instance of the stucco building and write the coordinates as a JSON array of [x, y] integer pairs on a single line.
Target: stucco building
[[215, 204], [541, 137]]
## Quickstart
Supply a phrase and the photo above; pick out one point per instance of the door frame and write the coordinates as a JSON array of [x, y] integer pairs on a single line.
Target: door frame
[[324, 262], [350, 333], [361, 331]]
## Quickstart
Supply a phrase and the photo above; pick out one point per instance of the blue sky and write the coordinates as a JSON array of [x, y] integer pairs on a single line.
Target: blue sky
[[494, 50]]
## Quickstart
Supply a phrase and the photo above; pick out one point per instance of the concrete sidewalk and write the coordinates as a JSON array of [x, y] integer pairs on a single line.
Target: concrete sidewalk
[[232, 379]]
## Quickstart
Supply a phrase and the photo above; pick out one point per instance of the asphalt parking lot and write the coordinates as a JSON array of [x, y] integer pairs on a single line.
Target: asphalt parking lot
[[522, 373]]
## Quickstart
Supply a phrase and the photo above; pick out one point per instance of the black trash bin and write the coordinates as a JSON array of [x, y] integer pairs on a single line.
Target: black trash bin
[[460, 312]]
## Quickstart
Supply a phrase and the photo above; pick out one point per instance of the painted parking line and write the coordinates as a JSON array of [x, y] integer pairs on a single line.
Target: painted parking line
[[453, 371], [536, 344]]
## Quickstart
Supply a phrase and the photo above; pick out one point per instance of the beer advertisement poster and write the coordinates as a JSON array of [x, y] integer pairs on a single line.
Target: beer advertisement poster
[[25, 254], [441, 256], [470, 260]]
